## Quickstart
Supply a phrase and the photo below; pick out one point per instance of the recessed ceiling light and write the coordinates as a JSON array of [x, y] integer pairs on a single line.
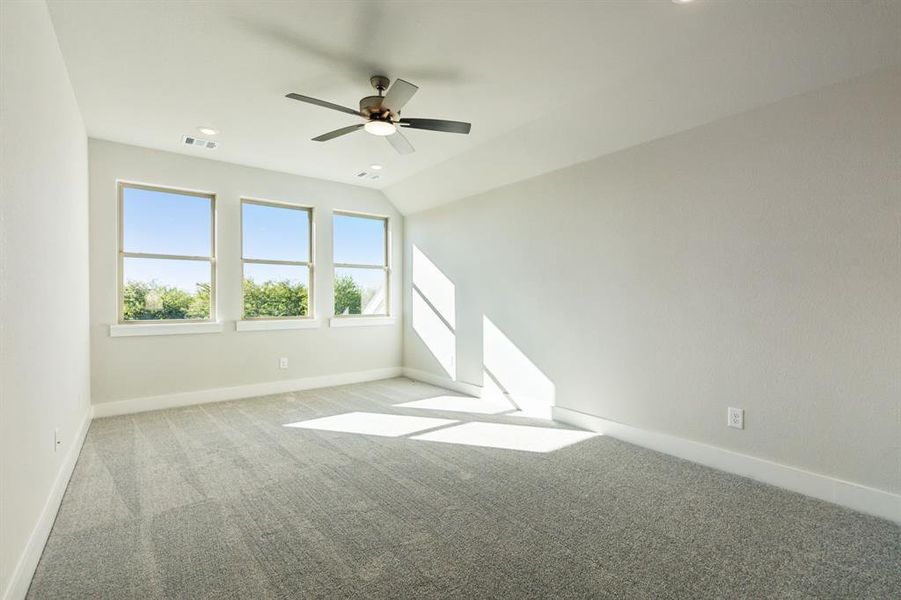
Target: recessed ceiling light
[[682, 1], [376, 167], [207, 130]]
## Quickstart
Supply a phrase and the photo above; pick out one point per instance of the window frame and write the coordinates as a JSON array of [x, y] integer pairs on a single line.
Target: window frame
[[386, 266], [311, 302], [121, 186]]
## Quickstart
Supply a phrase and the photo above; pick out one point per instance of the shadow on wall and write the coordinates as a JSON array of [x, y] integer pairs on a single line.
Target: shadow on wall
[[508, 376]]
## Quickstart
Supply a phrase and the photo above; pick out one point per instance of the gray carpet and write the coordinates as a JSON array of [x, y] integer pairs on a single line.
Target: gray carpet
[[224, 501]]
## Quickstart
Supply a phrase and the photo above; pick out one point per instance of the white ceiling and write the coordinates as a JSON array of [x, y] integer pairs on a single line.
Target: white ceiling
[[545, 84]]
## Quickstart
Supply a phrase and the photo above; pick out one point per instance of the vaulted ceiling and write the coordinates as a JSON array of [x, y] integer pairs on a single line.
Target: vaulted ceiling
[[545, 84]]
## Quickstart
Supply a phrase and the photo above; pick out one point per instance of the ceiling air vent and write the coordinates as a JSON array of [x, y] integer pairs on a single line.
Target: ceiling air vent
[[362, 174], [189, 140]]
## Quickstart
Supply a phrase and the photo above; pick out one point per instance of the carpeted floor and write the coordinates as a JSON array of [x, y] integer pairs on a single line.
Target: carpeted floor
[[226, 501]]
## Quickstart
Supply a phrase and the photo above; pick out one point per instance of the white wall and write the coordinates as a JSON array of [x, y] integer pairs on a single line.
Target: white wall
[[44, 365], [754, 262], [140, 367]]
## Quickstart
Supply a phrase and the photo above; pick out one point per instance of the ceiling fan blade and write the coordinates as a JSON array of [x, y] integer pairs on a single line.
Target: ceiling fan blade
[[324, 104], [337, 133], [398, 95], [400, 143], [437, 125]]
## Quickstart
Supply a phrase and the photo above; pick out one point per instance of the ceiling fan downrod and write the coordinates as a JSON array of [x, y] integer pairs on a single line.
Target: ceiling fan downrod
[[379, 82]]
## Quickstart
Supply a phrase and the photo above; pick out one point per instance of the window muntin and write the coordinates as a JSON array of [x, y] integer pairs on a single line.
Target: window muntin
[[167, 264], [276, 260], [362, 273]]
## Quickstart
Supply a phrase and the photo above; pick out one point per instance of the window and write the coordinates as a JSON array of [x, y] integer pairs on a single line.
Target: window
[[276, 256], [360, 247], [167, 261]]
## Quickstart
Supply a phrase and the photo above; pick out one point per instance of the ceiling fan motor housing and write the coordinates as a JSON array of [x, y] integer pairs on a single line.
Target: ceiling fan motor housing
[[371, 105]]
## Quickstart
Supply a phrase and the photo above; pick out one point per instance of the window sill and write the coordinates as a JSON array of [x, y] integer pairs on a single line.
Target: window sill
[[140, 329], [275, 324], [361, 321]]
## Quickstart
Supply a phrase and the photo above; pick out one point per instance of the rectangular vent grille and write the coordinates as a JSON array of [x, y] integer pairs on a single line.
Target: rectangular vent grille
[[362, 174], [190, 140]]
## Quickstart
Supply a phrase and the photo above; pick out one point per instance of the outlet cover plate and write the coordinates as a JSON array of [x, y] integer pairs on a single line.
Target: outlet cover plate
[[736, 418]]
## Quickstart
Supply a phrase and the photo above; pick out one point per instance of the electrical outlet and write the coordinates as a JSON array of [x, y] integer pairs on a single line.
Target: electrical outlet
[[283, 362], [57, 441], [736, 418]]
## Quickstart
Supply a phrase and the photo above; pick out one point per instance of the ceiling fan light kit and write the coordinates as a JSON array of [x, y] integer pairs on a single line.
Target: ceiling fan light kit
[[381, 114], [377, 127]]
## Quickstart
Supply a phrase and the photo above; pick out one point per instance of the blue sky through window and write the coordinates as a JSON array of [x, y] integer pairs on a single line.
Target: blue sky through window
[[183, 274], [166, 223], [262, 273], [365, 278], [159, 222], [275, 233], [359, 240]]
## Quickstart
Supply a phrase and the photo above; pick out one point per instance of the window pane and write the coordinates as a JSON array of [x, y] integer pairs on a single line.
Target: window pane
[[359, 240], [274, 233], [166, 289], [165, 223], [361, 292], [276, 291]]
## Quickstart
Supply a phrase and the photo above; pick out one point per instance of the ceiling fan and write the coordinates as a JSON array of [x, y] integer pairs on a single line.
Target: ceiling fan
[[382, 114]]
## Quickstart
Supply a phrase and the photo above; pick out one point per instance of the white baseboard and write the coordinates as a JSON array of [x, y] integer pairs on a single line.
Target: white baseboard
[[135, 405], [851, 495], [445, 382], [28, 561]]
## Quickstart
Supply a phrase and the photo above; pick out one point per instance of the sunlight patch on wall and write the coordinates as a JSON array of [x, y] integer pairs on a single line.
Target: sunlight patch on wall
[[440, 340], [434, 286], [367, 423], [465, 404], [526, 438], [491, 390], [433, 311], [513, 374]]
